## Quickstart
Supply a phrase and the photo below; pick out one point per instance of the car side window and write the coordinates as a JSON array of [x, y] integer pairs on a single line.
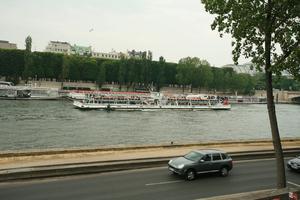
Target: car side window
[[224, 156], [207, 157], [216, 156]]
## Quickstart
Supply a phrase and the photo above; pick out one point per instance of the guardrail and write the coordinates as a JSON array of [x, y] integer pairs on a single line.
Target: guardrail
[[117, 165]]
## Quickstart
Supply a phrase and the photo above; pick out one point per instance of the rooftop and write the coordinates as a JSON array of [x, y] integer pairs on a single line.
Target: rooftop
[[58, 42]]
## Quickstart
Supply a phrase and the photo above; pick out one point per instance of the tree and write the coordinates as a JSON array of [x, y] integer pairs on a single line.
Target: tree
[[65, 67], [27, 58], [218, 79], [111, 70], [100, 76], [267, 31], [184, 71], [170, 73], [158, 76], [260, 80], [206, 75], [28, 42], [11, 64]]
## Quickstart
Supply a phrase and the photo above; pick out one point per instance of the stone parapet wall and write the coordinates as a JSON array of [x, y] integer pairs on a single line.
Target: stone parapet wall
[[48, 84], [279, 96]]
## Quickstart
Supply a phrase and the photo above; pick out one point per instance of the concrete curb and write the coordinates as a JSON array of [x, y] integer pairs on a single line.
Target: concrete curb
[[260, 195], [113, 165]]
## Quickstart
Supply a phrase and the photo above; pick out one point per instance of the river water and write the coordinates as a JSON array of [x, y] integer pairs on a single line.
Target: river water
[[39, 125]]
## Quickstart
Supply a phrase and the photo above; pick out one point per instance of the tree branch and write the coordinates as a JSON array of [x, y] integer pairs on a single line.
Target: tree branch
[[288, 53]]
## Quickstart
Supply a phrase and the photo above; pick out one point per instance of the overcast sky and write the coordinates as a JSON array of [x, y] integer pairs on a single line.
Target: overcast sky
[[170, 28]]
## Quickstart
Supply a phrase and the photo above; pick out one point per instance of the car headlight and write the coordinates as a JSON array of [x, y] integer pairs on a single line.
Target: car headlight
[[170, 161], [180, 166]]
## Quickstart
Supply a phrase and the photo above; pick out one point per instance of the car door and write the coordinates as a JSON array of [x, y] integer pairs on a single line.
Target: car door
[[204, 164], [216, 161]]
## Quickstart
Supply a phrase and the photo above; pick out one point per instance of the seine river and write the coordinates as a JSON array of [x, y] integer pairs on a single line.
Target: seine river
[[39, 125]]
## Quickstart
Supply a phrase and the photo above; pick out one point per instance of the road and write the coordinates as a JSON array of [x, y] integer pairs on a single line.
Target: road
[[154, 183]]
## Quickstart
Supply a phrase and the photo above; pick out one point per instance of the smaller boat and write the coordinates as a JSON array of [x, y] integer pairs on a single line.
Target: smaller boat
[[10, 92]]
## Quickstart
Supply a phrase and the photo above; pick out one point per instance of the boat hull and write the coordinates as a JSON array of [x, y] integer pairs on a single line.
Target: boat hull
[[125, 107]]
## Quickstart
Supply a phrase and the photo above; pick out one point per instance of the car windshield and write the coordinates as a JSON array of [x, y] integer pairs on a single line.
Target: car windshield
[[193, 156]]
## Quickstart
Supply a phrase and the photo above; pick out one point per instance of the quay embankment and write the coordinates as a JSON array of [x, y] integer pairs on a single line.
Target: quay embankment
[[37, 164]]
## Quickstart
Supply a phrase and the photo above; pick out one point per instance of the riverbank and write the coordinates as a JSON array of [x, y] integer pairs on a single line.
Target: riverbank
[[15, 160]]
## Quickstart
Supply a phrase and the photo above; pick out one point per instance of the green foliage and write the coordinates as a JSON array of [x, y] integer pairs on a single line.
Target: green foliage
[[184, 74], [218, 79], [43, 65], [285, 83], [131, 72], [247, 23], [170, 73], [11, 64], [112, 70], [268, 33], [101, 71]]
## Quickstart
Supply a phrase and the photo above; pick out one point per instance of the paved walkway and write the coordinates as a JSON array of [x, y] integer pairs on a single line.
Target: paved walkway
[[11, 161]]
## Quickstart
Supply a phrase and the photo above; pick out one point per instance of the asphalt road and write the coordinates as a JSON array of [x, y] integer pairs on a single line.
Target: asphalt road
[[155, 183]]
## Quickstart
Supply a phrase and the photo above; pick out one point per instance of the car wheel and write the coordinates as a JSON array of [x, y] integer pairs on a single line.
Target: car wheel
[[190, 175], [224, 171]]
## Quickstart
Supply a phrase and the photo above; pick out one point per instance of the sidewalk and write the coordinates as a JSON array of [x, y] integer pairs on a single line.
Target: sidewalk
[[35, 159]]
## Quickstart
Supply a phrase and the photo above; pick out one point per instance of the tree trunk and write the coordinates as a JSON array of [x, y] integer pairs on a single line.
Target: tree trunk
[[281, 179]]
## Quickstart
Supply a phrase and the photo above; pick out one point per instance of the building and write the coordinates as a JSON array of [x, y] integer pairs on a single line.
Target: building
[[112, 55], [81, 50], [59, 47], [129, 54], [6, 45], [139, 54], [66, 48], [246, 68]]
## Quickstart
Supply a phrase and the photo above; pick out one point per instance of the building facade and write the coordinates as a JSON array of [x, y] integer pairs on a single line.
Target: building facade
[[246, 68], [112, 55], [7, 45], [59, 47], [66, 48], [81, 50]]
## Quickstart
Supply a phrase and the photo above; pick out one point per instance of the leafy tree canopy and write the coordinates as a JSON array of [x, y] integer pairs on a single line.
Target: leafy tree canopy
[[268, 31], [245, 20]]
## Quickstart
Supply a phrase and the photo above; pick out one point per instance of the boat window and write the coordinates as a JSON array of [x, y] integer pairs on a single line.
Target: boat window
[[6, 83]]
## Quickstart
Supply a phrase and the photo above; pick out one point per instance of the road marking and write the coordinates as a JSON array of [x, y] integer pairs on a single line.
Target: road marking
[[162, 183], [294, 184]]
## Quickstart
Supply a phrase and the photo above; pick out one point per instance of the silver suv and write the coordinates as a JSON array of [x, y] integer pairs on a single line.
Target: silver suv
[[201, 161]]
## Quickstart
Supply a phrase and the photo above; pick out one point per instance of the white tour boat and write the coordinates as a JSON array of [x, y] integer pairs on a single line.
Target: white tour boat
[[151, 101]]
